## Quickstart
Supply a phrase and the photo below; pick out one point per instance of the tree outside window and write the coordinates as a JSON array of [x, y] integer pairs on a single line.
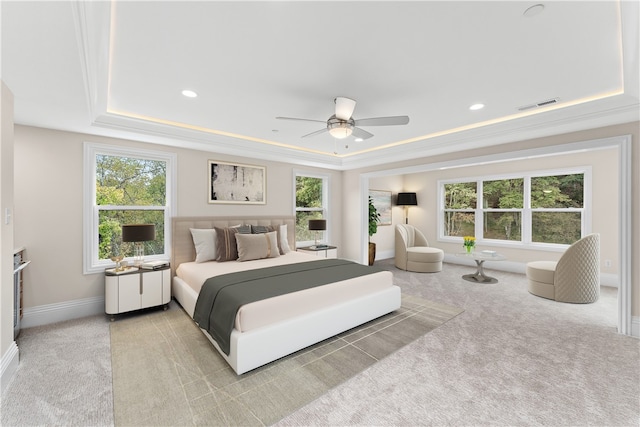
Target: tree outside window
[[129, 191], [126, 186], [310, 204], [556, 204], [549, 208], [503, 202], [459, 208]]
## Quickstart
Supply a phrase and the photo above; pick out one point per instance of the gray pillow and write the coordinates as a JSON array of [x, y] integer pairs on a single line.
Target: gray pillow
[[226, 246], [257, 246]]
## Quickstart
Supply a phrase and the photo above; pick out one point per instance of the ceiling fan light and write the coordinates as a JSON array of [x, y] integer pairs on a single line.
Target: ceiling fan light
[[340, 132]]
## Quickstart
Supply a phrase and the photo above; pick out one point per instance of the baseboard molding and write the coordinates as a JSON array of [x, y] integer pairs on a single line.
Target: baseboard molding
[[59, 312], [9, 365], [385, 254], [635, 326], [610, 280]]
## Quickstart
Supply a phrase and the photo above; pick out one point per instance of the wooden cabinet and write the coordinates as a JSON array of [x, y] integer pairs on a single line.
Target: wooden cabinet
[[136, 290]]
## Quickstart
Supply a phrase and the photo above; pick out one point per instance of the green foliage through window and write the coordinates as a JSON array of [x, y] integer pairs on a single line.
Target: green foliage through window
[[555, 212], [309, 205], [129, 191]]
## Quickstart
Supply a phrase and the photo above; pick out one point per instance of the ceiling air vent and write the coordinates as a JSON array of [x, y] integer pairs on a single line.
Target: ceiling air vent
[[539, 104]]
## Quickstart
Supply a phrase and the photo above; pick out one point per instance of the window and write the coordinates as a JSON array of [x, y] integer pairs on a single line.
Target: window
[[459, 208], [556, 208], [534, 209], [311, 203], [125, 186], [503, 202]]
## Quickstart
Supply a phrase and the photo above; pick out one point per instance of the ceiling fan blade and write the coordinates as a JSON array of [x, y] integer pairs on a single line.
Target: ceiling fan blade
[[383, 121], [318, 132], [344, 107], [361, 133], [302, 120]]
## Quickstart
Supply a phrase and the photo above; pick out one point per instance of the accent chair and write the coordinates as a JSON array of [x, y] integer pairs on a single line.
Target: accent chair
[[413, 252], [574, 278]]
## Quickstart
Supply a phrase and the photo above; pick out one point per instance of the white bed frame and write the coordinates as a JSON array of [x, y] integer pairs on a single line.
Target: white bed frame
[[258, 347]]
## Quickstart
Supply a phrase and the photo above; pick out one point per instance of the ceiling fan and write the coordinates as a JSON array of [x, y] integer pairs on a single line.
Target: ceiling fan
[[342, 124]]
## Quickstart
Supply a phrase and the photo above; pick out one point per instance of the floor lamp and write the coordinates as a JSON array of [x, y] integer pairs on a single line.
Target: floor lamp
[[406, 200]]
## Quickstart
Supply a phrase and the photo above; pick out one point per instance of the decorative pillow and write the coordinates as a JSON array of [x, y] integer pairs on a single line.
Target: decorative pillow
[[226, 246], [283, 241], [204, 241], [244, 229], [259, 229], [257, 246]]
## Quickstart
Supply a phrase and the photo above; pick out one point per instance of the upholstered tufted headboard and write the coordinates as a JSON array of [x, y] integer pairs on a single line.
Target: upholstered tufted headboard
[[182, 249]]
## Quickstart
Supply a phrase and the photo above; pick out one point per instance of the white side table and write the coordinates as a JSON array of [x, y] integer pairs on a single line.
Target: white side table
[[135, 289]]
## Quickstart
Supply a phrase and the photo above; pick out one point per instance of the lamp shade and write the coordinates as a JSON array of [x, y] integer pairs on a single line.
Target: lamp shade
[[138, 232], [407, 199], [317, 224]]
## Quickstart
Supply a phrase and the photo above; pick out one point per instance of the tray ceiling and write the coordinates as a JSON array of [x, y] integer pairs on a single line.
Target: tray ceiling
[[118, 69]]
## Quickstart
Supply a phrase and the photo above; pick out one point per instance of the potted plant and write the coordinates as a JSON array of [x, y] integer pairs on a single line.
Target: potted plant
[[374, 218]]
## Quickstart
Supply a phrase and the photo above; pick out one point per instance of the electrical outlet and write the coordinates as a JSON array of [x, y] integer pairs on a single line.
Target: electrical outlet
[[607, 263]]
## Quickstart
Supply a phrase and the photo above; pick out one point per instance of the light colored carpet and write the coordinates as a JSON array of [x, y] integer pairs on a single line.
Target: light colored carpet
[[64, 376], [165, 372], [510, 359]]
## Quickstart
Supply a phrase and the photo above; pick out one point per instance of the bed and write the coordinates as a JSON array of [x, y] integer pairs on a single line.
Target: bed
[[272, 328]]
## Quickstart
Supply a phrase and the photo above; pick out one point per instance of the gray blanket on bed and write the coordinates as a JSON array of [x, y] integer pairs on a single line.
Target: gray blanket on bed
[[222, 296]]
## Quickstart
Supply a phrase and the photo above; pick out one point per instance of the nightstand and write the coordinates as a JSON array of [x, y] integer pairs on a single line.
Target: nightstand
[[135, 289], [326, 251]]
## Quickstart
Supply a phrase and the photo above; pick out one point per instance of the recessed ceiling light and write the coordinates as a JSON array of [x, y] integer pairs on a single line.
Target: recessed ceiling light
[[189, 93], [359, 139], [533, 10], [476, 107]]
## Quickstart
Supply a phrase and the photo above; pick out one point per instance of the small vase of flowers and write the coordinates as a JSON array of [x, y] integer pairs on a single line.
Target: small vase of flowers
[[469, 243]]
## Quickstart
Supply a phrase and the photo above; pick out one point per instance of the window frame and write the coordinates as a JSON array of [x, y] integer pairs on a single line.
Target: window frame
[[326, 186], [91, 211], [526, 211]]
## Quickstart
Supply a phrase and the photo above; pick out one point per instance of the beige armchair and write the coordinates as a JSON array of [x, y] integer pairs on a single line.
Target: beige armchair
[[574, 278], [413, 252]]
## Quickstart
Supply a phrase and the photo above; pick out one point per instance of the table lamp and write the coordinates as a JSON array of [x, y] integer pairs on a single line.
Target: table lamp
[[138, 233], [318, 225]]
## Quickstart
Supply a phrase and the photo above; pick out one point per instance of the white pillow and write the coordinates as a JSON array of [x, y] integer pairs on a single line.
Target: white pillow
[[204, 241], [284, 242], [257, 246]]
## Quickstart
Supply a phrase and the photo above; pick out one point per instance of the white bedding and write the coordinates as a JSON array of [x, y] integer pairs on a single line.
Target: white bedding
[[273, 310]]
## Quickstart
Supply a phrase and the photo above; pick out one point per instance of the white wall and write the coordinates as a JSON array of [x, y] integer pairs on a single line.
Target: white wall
[[49, 200], [385, 236], [8, 348], [48, 203], [604, 198], [602, 185]]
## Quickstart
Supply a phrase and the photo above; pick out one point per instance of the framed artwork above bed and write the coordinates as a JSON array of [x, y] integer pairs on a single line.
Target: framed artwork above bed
[[237, 183]]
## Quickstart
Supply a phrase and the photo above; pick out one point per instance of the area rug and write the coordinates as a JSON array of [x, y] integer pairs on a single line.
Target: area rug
[[166, 372]]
